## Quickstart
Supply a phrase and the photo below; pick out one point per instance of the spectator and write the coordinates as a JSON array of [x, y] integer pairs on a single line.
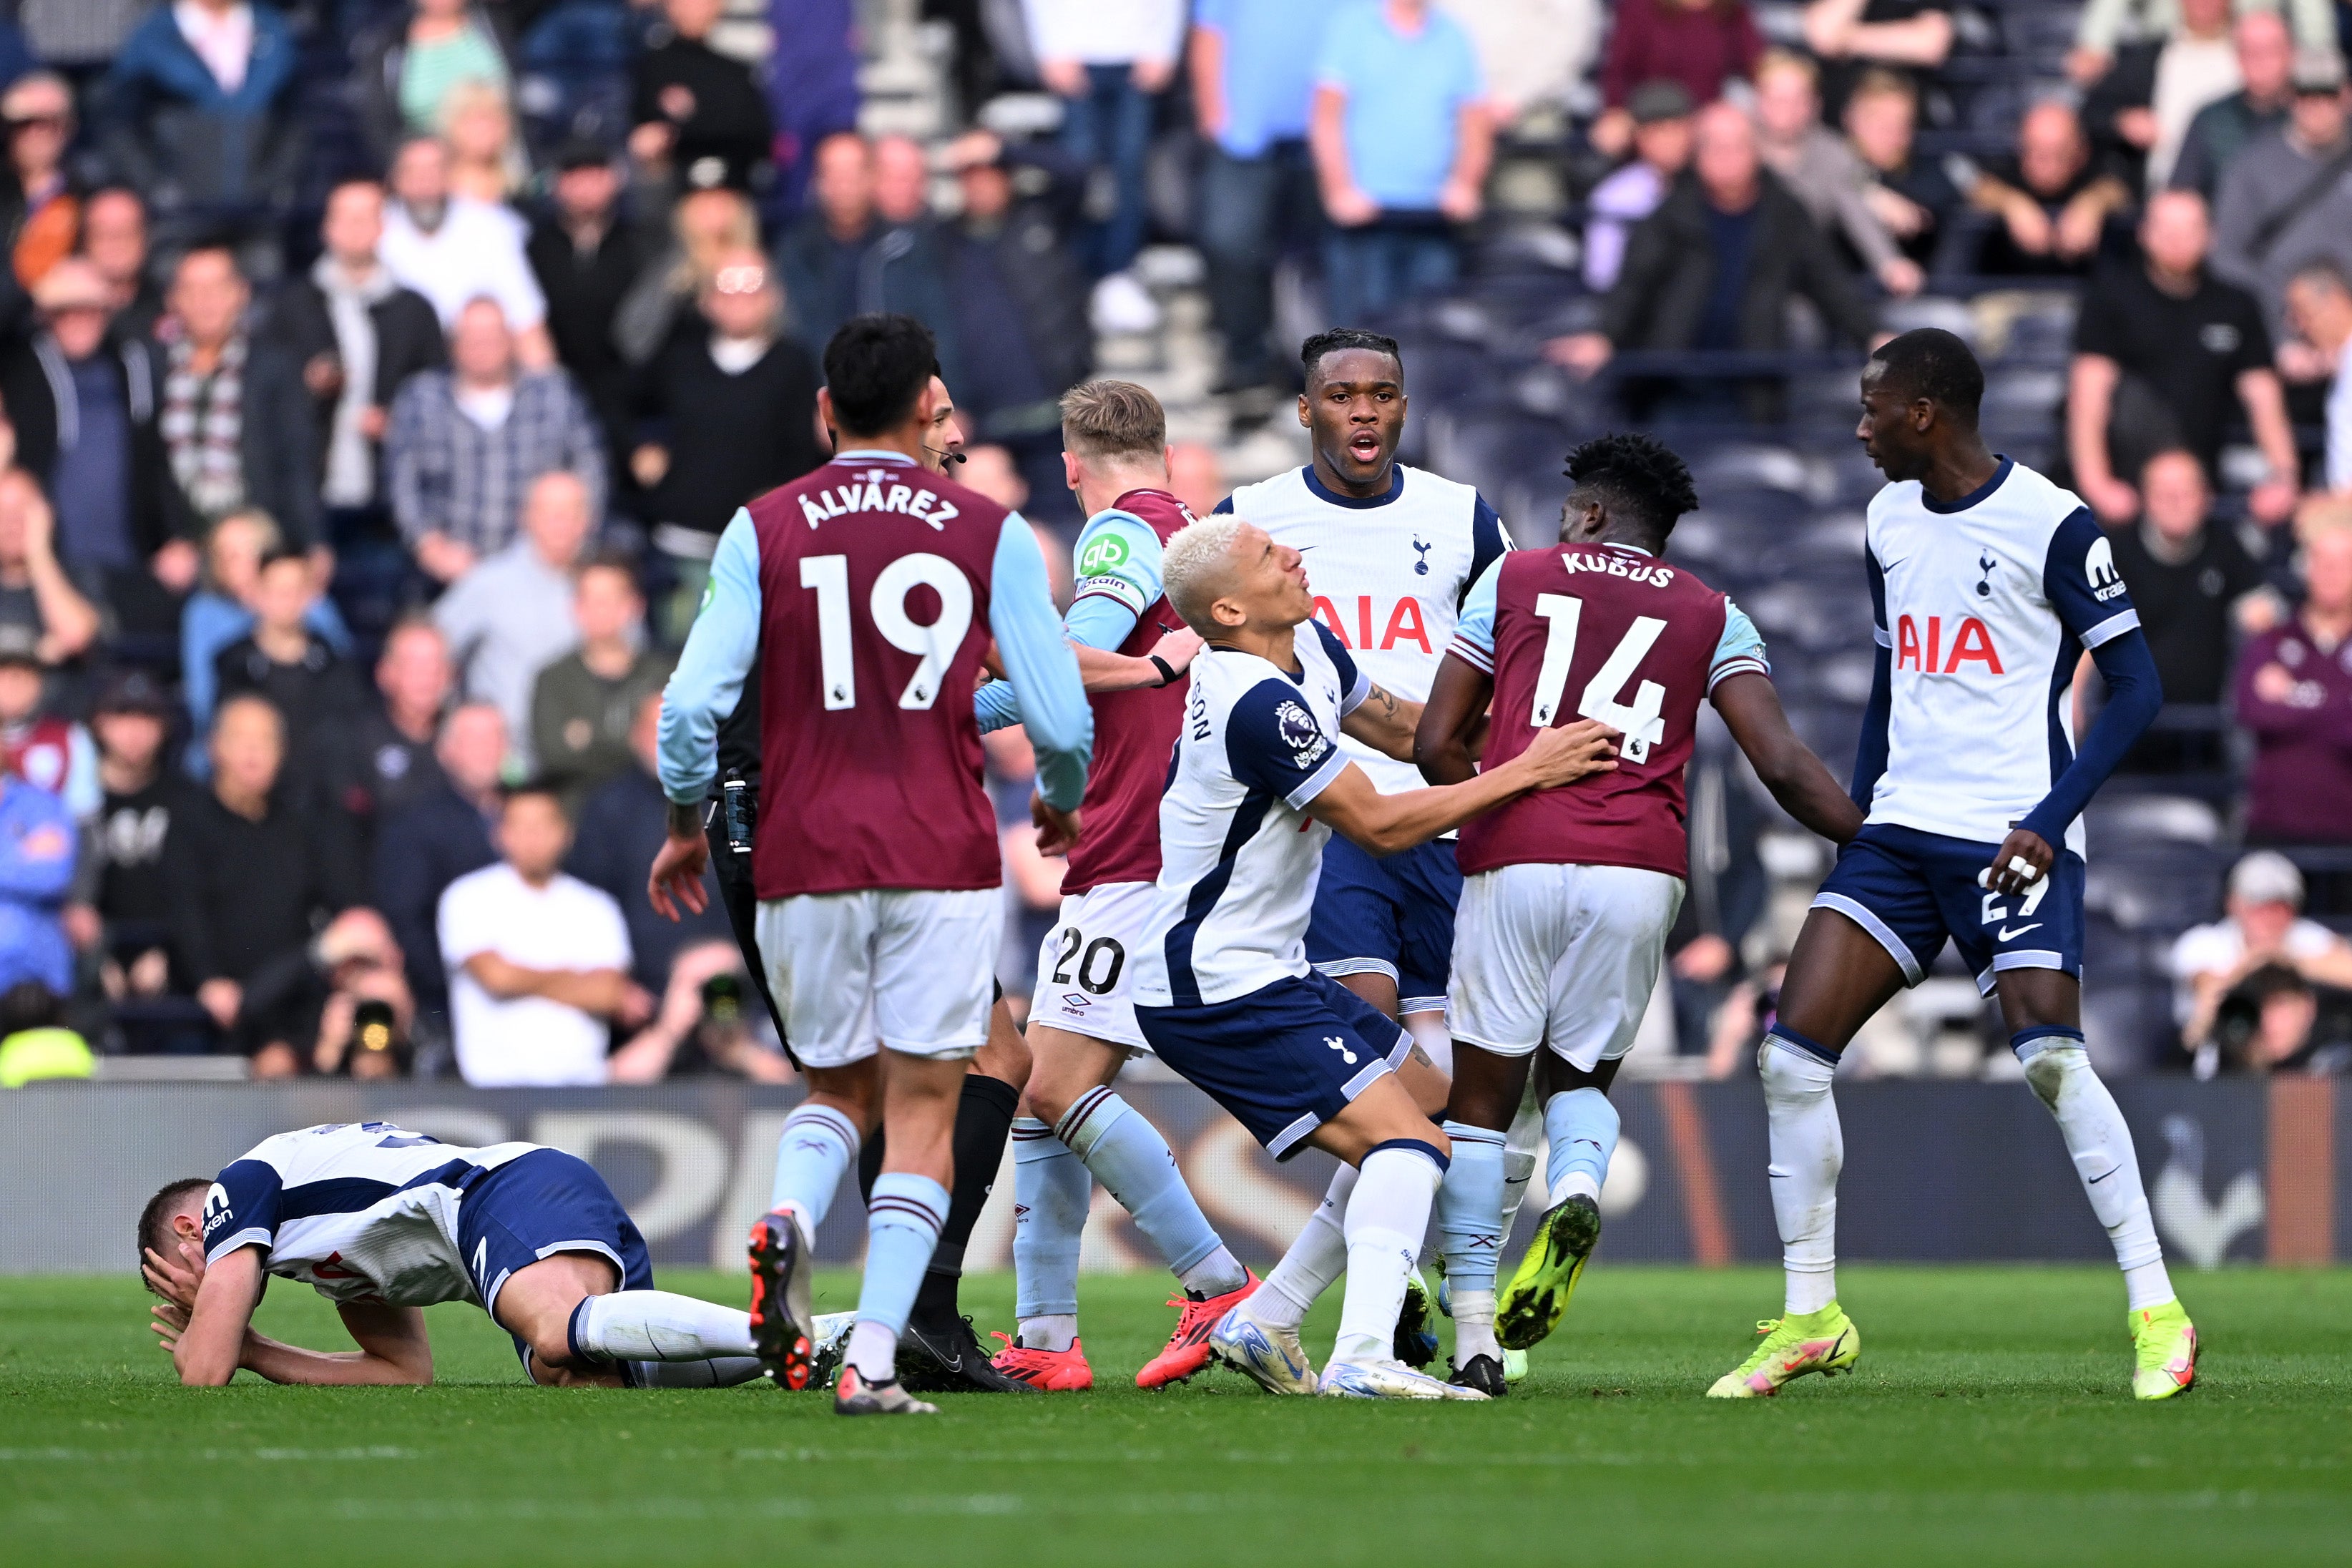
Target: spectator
[[701, 1029], [454, 249], [35, 592], [2270, 1023], [1701, 43], [234, 416], [36, 869], [511, 616], [252, 880], [2319, 303], [1401, 147], [1820, 171], [2226, 127], [1914, 36], [1913, 196], [40, 216], [1715, 265], [1534, 54], [437, 838], [2106, 22], [704, 227], [2263, 928], [130, 895], [466, 444], [1253, 67], [1109, 63], [728, 413], [699, 119], [1021, 311], [114, 238], [586, 256], [284, 661], [2053, 202], [83, 406], [2151, 100], [1661, 113], [37, 744], [538, 959], [811, 81], [844, 260], [2294, 693], [358, 336], [620, 831], [223, 609], [584, 704], [35, 1046], [2284, 203], [376, 759], [200, 117], [2161, 350], [404, 70], [486, 158], [2196, 588]]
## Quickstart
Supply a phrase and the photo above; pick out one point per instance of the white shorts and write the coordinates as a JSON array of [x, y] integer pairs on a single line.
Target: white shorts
[[910, 969], [1085, 968], [1560, 955]]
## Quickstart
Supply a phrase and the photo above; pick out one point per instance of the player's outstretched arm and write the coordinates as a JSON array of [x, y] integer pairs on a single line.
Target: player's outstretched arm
[[394, 1347], [1384, 721], [1385, 823], [395, 1351], [1750, 706], [1445, 744]]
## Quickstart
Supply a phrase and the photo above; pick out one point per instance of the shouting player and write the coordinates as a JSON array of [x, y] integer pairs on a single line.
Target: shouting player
[[384, 1222], [1082, 1030], [866, 592], [1988, 582], [1393, 550], [1568, 895], [1223, 990]]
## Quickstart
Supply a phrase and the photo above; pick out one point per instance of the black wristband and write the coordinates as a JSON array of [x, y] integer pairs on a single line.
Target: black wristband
[[1167, 670]]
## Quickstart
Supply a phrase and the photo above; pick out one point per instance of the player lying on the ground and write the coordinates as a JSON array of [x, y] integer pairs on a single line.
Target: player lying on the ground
[[1223, 991], [1985, 578], [1570, 894], [384, 1222]]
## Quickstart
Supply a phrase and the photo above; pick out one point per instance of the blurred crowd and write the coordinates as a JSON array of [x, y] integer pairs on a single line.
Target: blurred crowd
[[377, 378]]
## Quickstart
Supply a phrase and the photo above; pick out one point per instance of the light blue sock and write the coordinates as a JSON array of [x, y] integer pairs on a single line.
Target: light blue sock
[[1470, 1207], [1583, 1127], [1050, 1192], [902, 1225], [816, 1148], [1132, 1161]]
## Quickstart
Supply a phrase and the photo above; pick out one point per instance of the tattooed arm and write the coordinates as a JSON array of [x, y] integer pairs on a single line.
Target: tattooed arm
[[1384, 721]]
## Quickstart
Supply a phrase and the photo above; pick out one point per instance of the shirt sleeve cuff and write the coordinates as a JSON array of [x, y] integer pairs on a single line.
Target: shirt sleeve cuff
[[252, 1236], [2114, 627], [1745, 664], [1319, 781], [1470, 653], [1357, 693], [1878, 634]]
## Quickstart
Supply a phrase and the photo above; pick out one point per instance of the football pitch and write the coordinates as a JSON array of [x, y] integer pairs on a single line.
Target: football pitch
[[1988, 1421]]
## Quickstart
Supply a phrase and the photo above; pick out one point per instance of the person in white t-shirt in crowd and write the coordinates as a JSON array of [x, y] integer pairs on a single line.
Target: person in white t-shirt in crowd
[[2263, 927], [538, 961], [454, 249]]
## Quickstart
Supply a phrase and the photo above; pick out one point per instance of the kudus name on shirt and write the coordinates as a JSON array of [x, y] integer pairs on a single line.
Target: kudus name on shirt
[[875, 493]]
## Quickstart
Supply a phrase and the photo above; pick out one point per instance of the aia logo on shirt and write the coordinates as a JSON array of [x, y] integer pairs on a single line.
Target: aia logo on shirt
[[1971, 642], [1403, 624]]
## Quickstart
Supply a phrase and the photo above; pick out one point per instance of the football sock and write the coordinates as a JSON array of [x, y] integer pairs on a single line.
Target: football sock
[[2059, 1069], [1054, 1332], [1581, 1126], [718, 1371], [1470, 1207], [1525, 1140], [983, 1117], [1807, 1151], [1474, 1326], [1387, 1215], [1316, 1257], [1051, 1191], [901, 1226], [817, 1144], [1127, 1155], [658, 1325]]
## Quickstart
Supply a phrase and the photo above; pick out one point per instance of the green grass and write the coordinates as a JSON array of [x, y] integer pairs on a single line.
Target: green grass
[[1987, 1424]]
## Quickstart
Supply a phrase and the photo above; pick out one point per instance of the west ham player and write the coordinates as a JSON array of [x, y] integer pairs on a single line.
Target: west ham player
[[866, 591], [1988, 582], [1223, 990], [384, 1222], [1568, 897], [1075, 1129]]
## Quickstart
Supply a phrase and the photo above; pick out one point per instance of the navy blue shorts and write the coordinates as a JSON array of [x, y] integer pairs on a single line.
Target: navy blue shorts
[[1284, 1059], [1389, 915], [1912, 889], [545, 1202]]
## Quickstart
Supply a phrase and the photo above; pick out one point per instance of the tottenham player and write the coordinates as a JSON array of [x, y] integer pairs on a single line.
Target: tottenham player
[[1988, 582], [1075, 1127], [1568, 897], [384, 1222], [1395, 550], [866, 592], [1223, 990]]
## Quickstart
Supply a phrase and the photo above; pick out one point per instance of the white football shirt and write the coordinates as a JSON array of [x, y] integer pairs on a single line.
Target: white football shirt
[[567, 924]]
